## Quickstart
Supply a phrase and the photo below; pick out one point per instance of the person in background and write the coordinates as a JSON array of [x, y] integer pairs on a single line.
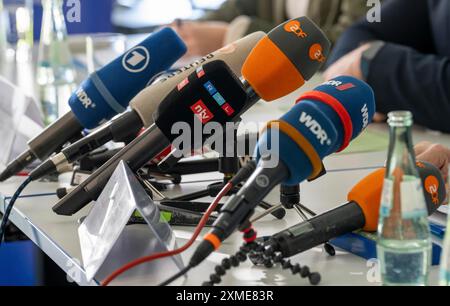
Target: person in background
[[237, 18], [405, 58]]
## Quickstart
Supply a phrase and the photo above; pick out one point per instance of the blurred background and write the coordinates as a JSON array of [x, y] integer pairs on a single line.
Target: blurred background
[[128, 16]]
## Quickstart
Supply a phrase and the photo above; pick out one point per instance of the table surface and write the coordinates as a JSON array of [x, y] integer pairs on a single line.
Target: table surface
[[57, 236]]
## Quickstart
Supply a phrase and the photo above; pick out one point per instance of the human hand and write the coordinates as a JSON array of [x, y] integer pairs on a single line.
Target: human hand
[[435, 154], [201, 38], [379, 118], [349, 64]]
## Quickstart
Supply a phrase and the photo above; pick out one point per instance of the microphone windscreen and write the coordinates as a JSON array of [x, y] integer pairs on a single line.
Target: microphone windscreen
[[315, 128], [356, 96], [147, 101], [210, 95], [367, 193], [109, 91], [287, 57]]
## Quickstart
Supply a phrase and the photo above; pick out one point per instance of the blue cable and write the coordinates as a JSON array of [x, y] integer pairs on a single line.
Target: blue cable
[[10, 207]]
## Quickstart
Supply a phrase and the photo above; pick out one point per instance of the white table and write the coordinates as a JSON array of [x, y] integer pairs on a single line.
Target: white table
[[57, 236]]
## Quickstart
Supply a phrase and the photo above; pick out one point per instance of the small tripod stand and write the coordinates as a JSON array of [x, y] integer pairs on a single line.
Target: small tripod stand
[[228, 166], [290, 199]]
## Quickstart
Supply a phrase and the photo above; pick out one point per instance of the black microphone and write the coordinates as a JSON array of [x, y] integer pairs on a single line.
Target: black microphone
[[292, 149], [198, 107], [360, 213], [144, 105], [103, 95], [214, 94]]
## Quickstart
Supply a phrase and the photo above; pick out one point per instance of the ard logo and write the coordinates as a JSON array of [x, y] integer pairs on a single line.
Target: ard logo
[[136, 60], [295, 27]]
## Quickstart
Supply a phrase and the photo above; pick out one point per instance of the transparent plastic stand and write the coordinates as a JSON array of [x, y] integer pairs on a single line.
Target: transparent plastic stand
[[107, 242], [20, 121]]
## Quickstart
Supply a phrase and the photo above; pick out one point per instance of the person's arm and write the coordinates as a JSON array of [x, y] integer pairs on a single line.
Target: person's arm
[[404, 22], [232, 9], [405, 74], [351, 11], [405, 79]]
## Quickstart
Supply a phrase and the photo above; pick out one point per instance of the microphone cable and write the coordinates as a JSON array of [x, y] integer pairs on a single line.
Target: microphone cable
[[250, 237], [242, 175], [11, 206], [253, 247]]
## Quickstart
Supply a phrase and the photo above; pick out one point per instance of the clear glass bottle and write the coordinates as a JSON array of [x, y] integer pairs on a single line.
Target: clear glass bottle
[[445, 259], [55, 72], [404, 241]]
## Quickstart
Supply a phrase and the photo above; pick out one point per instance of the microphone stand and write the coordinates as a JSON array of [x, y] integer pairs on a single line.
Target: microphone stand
[[228, 166], [290, 198]]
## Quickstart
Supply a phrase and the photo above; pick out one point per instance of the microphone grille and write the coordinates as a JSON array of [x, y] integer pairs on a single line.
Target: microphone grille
[[287, 57]]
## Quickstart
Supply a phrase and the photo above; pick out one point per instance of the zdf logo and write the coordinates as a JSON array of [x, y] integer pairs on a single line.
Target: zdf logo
[[432, 187], [295, 27], [316, 53]]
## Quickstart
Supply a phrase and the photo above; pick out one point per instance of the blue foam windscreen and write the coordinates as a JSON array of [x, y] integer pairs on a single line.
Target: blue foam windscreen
[[108, 91], [320, 124]]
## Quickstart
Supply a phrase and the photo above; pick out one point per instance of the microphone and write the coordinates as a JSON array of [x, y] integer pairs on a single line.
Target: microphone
[[144, 105], [234, 55], [210, 94], [103, 95], [275, 56], [360, 213], [323, 121]]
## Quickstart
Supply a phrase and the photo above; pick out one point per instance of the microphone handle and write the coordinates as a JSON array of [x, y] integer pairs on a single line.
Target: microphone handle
[[127, 124], [96, 159], [65, 129], [320, 229], [136, 154], [240, 207]]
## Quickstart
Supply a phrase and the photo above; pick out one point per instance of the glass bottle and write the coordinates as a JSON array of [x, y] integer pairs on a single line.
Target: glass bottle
[[404, 240], [55, 72], [445, 259]]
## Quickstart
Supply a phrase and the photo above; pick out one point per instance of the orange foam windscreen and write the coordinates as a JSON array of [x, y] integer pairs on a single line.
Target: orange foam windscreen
[[367, 193], [264, 63], [288, 56]]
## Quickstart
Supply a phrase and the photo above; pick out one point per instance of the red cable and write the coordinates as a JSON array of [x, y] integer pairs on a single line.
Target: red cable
[[153, 257]]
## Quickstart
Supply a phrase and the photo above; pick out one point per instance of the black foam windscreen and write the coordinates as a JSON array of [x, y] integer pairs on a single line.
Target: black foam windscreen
[[211, 94]]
